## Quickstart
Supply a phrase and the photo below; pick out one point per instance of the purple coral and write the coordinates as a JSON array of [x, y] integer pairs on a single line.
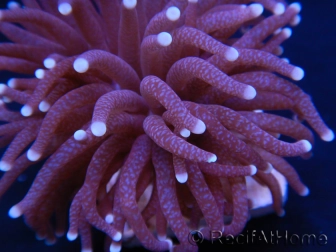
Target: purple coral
[[147, 111]]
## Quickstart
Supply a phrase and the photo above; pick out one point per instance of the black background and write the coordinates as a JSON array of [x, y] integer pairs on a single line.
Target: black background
[[313, 47]]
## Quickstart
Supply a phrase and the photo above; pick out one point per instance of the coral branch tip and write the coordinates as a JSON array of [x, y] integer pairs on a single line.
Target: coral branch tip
[[173, 13], [39, 73], [182, 177], [109, 218], [11, 83], [185, 133], [117, 236], [279, 9], [253, 169], [269, 168], [49, 63], [15, 212], [297, 73], [296, 6], [328, 136], [305, 192], [81, 65], [65, 9], [231, 54], [33, 155], [98, 129], [80, 135], [306, 145], [44, 106], [115, 247], [212, 159], [249, 93], [26, 110], [3, 88], [199, 127], [4, 166], [256, 9], [129, 4], [72, 236], [164, 39]]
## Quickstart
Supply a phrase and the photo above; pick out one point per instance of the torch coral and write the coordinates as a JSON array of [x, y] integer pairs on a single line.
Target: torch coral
[[148, 115]]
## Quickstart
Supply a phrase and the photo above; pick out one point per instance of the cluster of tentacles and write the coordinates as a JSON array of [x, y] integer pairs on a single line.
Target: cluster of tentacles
[[148, 115]]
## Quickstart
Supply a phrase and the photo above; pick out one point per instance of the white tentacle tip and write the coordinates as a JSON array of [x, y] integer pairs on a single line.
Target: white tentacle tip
[[297, 73], [3, 88], [50, 242], [15, 212], [296, 6], [109, 218], [282, 213], [212, 159], [296, 20], [306, 145], [115, 247], [39, 74], [117, 237], [182, 177], [4, 166], [199, 127], [26, 110], [65, 8], [129, 4], [72, 236], [40, 237], [185, 133], [164, 39], [231, 54], [108, 187], [328, 136], [80, 135], [87, 250], [11, 83], [112, 181], [98, 129], [173, 13], [269, 168], [170, 244], [49, 63], [287, 32], [256, 9], [81, 65], [249, 93], [44, 106], [305, 192], [33, 155], [279, 9], [253, 169], [284, 59], [13, 5], [6, 99]]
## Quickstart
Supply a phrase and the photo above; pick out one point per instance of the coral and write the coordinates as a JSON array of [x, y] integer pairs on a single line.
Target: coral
[[150, 116]]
